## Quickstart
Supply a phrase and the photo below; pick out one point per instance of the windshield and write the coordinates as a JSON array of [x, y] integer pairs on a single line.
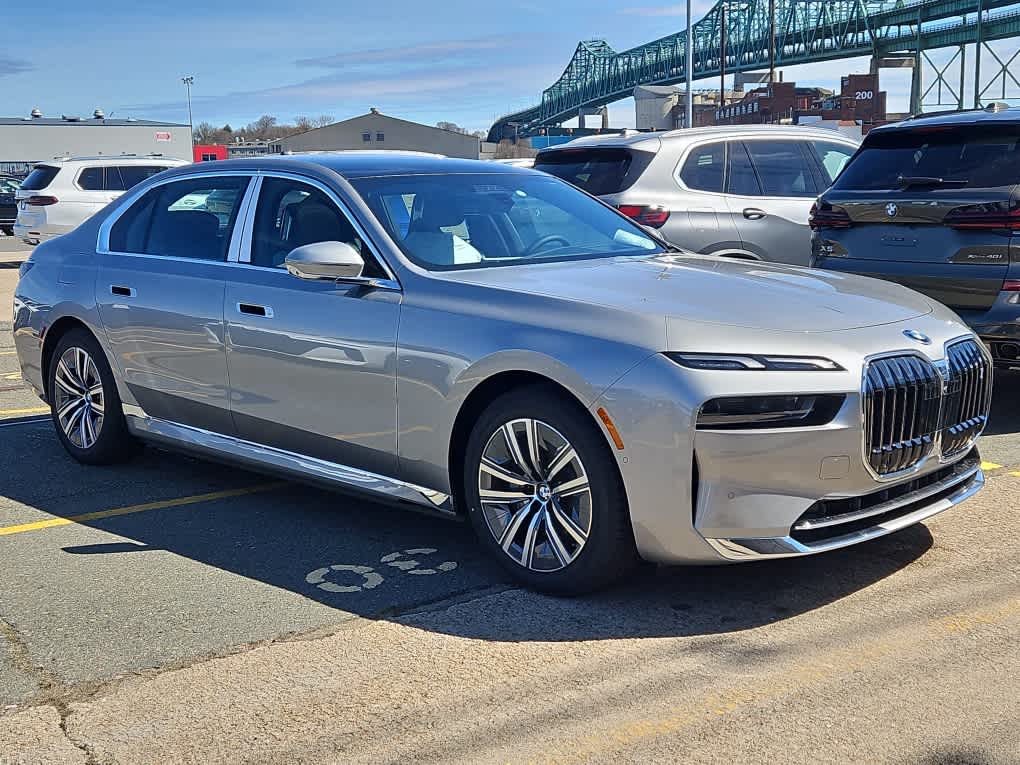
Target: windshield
[[472, 220]]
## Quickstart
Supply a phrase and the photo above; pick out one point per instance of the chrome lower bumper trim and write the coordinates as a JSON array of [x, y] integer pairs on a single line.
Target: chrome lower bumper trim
[[736, 549], [299, 466]]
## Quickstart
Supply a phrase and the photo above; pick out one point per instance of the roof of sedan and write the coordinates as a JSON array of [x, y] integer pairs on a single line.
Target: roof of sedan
[[365, 164]]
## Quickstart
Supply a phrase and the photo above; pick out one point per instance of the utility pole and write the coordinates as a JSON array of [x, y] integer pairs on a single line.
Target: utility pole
[[722, 54], [188, 82], [689, 69], [772, 41]]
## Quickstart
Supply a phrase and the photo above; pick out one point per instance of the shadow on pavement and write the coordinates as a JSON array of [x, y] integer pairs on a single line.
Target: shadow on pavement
[[380, 562]]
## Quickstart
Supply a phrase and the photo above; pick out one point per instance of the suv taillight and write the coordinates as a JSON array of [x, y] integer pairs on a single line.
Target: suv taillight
[[647, 215], [993, 216], [828, 216], [41, 201]]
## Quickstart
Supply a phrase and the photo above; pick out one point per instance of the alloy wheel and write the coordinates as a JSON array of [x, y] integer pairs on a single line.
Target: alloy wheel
[[535, 495], [78, 397]]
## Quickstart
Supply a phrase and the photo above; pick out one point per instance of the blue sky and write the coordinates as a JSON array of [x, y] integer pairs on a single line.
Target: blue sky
[[456, 60]]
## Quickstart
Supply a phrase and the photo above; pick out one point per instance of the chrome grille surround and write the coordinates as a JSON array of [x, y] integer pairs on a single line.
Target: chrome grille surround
[[914, 408]]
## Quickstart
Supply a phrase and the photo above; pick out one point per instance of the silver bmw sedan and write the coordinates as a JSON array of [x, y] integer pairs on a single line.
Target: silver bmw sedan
[[490, 342]]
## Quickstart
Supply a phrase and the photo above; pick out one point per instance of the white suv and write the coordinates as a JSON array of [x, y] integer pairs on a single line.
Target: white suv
[[59, 195]]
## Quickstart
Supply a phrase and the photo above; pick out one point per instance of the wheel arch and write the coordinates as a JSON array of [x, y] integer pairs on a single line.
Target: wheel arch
[[480, 397], [54, 333]]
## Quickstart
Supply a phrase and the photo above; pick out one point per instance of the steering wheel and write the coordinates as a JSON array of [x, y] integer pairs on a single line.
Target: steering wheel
[[541, 242]]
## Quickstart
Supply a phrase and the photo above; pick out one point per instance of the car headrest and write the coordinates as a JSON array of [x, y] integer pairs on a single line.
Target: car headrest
[[433, 212], [315, 221], [186, 234]]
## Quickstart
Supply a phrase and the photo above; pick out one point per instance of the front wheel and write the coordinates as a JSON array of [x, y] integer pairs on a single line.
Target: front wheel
[[544, 494]]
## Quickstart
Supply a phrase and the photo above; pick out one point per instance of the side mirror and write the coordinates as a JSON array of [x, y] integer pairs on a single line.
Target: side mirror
[[334, 261]]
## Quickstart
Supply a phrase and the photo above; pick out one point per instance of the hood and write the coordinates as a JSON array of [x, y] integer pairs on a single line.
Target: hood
[[713, 290]]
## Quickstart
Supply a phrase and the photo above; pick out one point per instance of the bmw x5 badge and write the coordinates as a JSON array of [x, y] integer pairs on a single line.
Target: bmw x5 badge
[[920, 337], [891, 209]]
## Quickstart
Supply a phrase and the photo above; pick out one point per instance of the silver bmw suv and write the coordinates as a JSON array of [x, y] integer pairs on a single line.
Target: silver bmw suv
[[488, 341], [743, 191]]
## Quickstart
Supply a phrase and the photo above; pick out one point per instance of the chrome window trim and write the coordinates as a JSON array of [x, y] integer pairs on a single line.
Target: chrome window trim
[[237, 236], [128, 198], [390, 282], [936, 452]]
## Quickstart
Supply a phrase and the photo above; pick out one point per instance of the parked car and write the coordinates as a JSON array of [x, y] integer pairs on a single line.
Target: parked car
[[57, 196], [742, 191], [8, 207], [582, 391], [934, 204]]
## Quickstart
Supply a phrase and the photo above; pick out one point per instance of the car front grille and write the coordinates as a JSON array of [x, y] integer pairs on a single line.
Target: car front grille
[[913, 406]]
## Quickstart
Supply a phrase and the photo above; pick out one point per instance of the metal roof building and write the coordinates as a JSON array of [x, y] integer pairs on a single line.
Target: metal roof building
[[24, 140]]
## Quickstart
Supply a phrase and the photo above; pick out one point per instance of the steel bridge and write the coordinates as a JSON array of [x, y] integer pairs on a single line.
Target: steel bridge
[[806, 31]]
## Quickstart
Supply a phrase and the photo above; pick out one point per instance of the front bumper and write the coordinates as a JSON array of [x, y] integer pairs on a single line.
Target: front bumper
[[875, 519], [713, 496]]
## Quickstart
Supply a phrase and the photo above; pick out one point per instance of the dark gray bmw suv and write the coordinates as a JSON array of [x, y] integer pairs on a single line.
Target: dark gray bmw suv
[[934, 204]]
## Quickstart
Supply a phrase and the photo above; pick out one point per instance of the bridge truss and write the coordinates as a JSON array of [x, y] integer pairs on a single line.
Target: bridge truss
[[806, 31]]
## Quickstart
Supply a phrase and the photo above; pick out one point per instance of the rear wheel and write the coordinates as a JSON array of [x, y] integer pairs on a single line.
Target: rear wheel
[[8, 230], [544, 494], [84, 402]]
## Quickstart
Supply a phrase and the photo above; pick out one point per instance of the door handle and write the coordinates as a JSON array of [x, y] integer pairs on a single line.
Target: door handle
[[251, 309], [753, 213], [118, 289]]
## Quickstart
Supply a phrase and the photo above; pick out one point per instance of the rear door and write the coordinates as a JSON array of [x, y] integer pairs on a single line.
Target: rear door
[[773, 224], [160, 291], [932, 208]]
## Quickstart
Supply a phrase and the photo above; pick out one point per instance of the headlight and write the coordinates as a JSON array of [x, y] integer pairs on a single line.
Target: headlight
[[755, 362], [747, 412]]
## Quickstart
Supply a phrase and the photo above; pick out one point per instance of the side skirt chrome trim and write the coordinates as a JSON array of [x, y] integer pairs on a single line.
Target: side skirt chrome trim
[[298, 465]]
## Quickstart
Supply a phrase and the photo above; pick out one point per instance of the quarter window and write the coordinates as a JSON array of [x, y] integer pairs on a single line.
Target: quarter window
[[703, 169], [91, 179], [292, 214], [783, 168], [192, 218], [130, 176]]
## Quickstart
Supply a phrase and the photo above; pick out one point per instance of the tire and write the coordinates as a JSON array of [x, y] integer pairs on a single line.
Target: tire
[[8, 230], [551, 534], [94, 432]]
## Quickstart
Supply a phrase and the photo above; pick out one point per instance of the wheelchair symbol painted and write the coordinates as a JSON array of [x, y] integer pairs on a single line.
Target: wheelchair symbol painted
[[408, 561]]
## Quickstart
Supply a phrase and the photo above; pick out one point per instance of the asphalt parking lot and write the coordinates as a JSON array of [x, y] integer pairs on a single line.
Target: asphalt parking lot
[[173, 610]]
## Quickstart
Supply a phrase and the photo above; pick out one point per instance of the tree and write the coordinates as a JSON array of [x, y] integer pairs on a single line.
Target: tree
[[453, 127], [204, 132]]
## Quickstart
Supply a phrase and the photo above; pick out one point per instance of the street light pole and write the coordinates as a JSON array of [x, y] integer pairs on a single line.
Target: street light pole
[[772, 41], [689, 69], [188, 82]]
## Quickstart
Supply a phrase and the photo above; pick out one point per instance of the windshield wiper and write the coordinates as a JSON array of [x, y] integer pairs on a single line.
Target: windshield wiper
[[906, 181]]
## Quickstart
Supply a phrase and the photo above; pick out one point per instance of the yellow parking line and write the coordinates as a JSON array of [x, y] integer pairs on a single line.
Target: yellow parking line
[[1015, 474], [7, 353], [990, 466], [161, 505], [28, 410]]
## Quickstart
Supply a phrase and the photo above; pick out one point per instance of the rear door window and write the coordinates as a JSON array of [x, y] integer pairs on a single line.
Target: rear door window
[[597, 171], [783, 168], [974, 156], [129, 176], [41, 177], [704, 166], [741, 179], [191, 218]]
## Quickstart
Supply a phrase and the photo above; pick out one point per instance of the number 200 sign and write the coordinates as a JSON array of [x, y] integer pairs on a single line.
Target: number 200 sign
[[864, 95]]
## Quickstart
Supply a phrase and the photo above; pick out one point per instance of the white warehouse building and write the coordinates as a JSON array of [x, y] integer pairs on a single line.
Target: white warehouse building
[[24, 140]]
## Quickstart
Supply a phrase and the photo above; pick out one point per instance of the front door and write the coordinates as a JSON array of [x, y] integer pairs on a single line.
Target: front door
[[160, 289], [312, 363]]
